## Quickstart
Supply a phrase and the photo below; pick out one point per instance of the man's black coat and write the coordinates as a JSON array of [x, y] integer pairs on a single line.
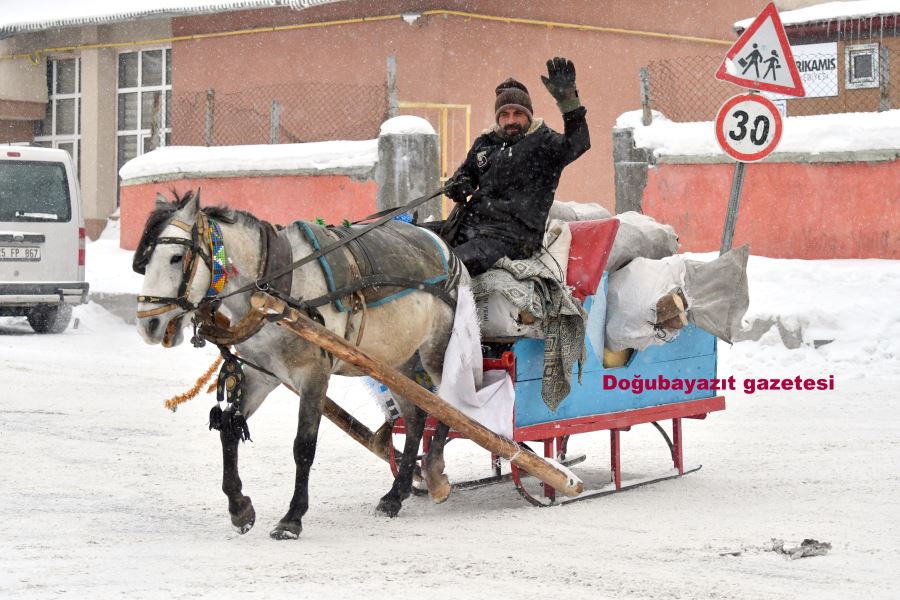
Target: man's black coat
[[516, 182]]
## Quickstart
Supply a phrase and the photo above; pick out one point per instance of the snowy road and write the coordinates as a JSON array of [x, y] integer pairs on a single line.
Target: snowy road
[[107, 494]]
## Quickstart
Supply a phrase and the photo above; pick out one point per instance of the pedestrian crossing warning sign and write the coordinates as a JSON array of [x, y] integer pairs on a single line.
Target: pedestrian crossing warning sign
[[761, 58]]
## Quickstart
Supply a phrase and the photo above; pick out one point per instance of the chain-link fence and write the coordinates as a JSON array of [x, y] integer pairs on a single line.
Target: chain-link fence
[[858, 78], [278, 114]]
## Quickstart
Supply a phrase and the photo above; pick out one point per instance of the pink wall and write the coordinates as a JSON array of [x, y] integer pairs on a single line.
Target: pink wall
[[788, 210], [278, 199], [451, 59]]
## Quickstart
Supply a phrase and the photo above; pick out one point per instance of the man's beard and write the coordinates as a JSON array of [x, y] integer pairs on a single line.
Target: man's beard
[[513, 132]]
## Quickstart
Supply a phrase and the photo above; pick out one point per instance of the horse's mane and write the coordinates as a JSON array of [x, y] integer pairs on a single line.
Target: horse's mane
[[162, 214]]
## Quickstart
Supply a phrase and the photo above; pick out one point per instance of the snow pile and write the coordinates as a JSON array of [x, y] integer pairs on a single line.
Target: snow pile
[[841, 306], [841, 300], [259, 159], [405, 125], [816, 134], [832, 11]]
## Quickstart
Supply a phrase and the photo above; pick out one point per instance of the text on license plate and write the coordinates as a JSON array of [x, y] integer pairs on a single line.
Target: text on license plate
[[20, 253]]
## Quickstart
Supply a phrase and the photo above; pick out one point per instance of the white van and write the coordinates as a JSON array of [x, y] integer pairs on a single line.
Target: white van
[[41, 237]]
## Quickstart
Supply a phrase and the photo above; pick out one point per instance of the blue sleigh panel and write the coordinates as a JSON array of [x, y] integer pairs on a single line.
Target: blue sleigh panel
[[692, 355]]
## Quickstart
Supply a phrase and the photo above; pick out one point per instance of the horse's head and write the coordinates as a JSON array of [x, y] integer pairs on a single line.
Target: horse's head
[[175, 261]]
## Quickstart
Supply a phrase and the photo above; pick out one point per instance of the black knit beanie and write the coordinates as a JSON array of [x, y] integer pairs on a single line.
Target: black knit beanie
[[512, 93]]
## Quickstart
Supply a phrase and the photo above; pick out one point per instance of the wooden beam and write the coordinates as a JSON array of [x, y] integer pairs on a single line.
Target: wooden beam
[[521, 456]]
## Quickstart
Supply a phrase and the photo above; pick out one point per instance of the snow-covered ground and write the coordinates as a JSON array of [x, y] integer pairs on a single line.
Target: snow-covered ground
[[107, 494]]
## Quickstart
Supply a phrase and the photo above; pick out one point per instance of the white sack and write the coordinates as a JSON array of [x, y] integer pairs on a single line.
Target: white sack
[[634, 291], [640, 236], [577, 211]]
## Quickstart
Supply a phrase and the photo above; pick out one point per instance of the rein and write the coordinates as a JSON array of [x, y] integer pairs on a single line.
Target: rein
[[195, 249], [383, 217]]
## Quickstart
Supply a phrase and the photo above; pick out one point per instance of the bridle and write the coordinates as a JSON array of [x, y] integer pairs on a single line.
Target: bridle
[[195, 253]]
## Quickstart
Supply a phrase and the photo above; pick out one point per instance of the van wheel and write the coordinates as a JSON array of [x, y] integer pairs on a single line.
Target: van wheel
[[50, 318]]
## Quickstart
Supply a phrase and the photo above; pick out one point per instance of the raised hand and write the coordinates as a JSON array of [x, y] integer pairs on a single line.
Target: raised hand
[[560, 82]]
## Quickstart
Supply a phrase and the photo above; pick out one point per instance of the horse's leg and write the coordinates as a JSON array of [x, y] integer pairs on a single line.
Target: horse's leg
[[432, 357], [438, 483], [312, 401], [415, 423], [257, 387]]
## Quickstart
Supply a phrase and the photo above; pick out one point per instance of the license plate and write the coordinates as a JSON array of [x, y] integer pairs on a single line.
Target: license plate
[[20, 253]]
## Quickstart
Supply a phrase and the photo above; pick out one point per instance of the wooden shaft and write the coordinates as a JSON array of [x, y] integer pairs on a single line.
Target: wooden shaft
[[303, 326], [356, 430]]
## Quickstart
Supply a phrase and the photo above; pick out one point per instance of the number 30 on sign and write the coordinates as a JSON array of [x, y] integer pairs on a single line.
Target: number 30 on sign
[[748, 127]]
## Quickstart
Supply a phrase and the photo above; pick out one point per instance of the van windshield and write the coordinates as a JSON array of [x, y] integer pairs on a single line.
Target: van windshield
[[34, 191]]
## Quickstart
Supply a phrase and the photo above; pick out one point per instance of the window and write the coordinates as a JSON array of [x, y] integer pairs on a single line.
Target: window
[[861, 66], [144, 98], [61, 126], [34, 191]]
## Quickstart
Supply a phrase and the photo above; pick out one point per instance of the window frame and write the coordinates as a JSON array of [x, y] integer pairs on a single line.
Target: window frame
[[141, 134], [851, 82], [54, 139]]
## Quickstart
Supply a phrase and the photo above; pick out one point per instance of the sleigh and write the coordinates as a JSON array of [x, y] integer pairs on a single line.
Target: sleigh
[[592, 404]]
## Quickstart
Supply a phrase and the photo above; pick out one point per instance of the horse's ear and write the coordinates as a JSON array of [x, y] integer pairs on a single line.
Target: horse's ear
[[192, 207], [161, 201]]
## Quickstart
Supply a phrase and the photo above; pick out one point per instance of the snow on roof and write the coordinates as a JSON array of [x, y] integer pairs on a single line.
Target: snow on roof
[[833, 11], [816, 134], [230, 161], [17, 17]]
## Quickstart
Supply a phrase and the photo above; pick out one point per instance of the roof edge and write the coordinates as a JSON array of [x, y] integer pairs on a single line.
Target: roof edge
[[12, 29]]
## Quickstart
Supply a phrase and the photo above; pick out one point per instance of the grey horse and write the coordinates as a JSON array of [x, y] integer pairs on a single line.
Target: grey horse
[[411, 331]]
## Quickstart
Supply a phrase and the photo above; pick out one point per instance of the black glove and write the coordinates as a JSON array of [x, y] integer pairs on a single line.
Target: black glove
[[460, 190], [560, 82]]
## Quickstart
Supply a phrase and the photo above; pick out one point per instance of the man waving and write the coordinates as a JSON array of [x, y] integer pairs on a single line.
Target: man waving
[[504, 189]]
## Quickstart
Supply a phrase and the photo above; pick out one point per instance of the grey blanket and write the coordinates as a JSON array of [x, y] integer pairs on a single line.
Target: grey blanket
[[530, 286]]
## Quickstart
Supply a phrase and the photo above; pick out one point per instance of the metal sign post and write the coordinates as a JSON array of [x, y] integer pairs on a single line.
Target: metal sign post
[[748, 126], [734, 202]]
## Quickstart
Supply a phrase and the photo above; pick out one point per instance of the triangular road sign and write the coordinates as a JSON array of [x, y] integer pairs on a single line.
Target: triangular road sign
[[761, 58]]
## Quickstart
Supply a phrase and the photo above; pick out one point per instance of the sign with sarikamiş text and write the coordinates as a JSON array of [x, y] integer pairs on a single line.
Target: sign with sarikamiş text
[[761, 58], [818, 68]]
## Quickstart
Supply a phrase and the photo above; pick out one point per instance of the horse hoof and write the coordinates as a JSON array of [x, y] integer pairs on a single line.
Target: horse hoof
[[439, 488], [389, 506], [286, 531], [244, 520]]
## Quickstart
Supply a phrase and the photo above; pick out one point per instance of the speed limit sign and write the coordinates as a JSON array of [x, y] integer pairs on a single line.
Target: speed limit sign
[[748, 127]]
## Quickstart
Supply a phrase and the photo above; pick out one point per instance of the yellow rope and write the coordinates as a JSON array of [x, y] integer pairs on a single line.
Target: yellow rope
[[172, 403]]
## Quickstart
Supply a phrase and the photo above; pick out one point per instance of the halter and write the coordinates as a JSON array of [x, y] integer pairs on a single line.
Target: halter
[[195, 252]]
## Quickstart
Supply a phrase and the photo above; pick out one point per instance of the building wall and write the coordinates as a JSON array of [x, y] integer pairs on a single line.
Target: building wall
[[450, 59], [787, 210], [280, 199]]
